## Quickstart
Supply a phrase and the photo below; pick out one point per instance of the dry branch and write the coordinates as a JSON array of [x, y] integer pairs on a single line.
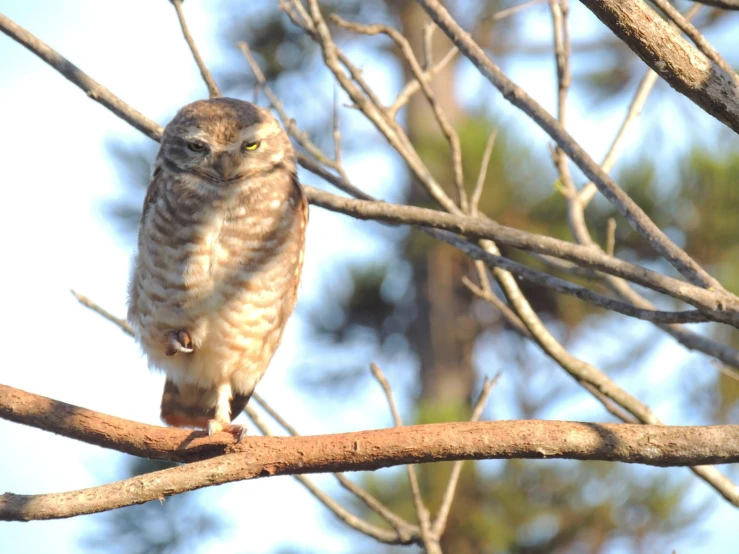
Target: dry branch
[[257, 457], [674, 59], [636, 217]]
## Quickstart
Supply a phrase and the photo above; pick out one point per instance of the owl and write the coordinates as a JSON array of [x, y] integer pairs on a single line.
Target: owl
[[220, 252]]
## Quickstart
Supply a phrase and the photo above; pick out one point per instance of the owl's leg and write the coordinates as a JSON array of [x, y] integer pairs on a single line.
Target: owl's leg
[[222, 419], [179, 341]]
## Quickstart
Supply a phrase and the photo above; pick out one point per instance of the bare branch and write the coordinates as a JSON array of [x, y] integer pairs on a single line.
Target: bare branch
[[213, 91], [693, 34], [412, 87], [565, 287], [679, 63], [257, 457], [446, 128], [122, 323], [406, 532], [92, 88], [407, 536], [446, 503], [478, 228], [430, 542], [486, 294], [481, 176], [636, 217]]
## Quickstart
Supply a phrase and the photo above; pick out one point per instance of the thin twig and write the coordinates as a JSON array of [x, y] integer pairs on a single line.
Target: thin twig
[[430, 541], [439, 524], [92, 88], [213, 91], [122, 323], [611, 236], [447, 130], [413, 86], [636, 217], [404, 532], [482, 175], [502, 14], [404, 529]]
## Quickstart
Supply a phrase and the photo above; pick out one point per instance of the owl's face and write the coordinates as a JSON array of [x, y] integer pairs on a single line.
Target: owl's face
[[224, 140]]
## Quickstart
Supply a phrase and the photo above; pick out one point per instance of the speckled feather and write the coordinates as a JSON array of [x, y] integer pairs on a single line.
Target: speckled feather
[[220, 253]]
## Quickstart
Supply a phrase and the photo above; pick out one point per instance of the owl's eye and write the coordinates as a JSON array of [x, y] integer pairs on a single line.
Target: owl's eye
[[196, 146], [250, 146]]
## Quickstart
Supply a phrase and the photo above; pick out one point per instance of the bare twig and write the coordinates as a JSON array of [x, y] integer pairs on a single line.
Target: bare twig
[[446, 128], [637, 104], [442, 515], [611, 236], [404, 532], [412, 87], [213, 91], [122, 323], [502, 14], [430, 541], [565, 287], [636, 217], [92, 88], [480, 183]]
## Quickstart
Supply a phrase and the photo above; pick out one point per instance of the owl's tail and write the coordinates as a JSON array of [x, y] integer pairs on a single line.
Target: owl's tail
[[188, 405]]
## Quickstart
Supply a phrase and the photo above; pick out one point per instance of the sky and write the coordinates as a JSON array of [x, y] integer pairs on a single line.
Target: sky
[[59, 178]]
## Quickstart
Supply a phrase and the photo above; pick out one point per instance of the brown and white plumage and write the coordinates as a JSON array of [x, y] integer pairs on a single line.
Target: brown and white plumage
[[220, 252]]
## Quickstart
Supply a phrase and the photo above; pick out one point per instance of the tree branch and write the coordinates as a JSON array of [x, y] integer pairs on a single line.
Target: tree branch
[[678, 62], [257, 457], [213, 91], [636, 217], [92, 88]]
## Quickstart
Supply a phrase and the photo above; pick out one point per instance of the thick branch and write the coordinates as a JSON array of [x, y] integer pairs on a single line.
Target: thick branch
[[677, 61], [258, 457]]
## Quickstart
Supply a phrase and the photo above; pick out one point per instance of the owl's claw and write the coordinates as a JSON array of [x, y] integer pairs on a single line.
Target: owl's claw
[[238, 431], [179, 341]]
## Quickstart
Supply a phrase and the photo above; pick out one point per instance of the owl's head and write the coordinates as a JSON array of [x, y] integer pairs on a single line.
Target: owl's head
[[225, 140]]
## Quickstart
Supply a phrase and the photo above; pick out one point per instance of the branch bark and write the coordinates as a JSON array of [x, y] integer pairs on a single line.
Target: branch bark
[[257, 457], [674, 59]]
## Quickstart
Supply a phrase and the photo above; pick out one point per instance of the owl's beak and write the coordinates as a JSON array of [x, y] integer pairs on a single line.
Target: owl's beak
[[226, 166]]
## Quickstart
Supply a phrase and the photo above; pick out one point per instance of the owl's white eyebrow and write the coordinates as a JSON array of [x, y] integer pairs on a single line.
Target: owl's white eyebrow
[[260, 131]]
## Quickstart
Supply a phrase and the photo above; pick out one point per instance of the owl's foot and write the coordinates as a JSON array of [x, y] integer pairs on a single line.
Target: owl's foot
[[179, 341], [215, 426]]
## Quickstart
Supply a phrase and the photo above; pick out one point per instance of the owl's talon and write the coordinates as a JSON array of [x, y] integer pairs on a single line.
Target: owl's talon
[[179, 341], [214, 426], [238, 431]]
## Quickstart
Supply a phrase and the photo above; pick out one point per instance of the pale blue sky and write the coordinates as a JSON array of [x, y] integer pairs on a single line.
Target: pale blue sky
[[55, 159]]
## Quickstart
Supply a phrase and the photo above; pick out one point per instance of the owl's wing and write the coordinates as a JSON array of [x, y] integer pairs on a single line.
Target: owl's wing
[[189, 405], [154, 190]]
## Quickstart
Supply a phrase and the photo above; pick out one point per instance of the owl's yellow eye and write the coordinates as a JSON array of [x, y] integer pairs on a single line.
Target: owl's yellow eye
[[196, 146], [250, 146]]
